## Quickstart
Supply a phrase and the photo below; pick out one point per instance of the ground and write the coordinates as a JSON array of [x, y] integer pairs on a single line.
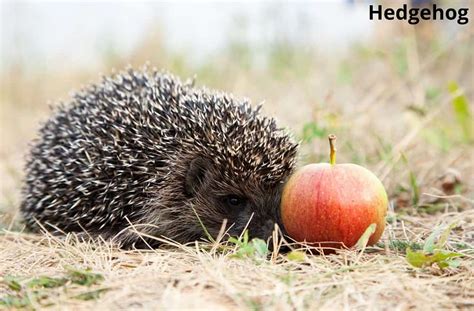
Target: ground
[[401, 107]]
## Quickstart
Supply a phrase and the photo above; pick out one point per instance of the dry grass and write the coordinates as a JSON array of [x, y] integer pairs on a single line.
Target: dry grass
[[389, 106], [188, 277]]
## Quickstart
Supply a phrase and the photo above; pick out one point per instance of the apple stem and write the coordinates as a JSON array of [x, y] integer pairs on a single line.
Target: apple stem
[[332, 145]]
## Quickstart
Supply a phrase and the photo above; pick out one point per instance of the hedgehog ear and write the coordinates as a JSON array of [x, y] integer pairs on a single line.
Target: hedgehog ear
[[196, 174]]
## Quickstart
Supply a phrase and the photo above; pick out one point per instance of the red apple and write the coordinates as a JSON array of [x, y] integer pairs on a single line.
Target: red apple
[[330, 202]]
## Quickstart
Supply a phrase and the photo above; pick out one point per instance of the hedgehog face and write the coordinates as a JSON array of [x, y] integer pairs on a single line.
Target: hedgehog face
[[216, 196]]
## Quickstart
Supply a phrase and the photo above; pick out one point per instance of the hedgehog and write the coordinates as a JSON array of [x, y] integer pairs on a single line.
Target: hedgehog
[[141, 151]]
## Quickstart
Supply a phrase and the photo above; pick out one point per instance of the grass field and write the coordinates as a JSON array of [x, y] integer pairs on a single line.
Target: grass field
[[400, 106]]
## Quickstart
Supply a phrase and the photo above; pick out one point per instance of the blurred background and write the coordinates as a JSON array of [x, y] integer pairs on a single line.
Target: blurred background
[[399, 97]]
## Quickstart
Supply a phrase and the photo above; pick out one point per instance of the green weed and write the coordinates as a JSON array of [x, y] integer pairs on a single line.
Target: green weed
[[40, 288], [255, 249], [434, 252]]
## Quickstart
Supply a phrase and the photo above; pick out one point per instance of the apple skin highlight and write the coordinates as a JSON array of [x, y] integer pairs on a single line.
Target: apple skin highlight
[[333, 203]]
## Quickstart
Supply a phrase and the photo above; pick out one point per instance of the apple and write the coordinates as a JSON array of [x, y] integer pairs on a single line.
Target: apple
[[331, 204]]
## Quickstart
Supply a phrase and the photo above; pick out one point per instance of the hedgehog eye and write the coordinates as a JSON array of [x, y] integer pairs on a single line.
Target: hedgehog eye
[[235, 201]]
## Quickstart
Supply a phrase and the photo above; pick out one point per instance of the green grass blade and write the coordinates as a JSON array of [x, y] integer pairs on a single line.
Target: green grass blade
[[364, 238], [461, 110]]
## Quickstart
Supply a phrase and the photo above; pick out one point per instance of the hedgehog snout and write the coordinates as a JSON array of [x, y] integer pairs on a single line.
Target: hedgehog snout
[[264, 230]]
